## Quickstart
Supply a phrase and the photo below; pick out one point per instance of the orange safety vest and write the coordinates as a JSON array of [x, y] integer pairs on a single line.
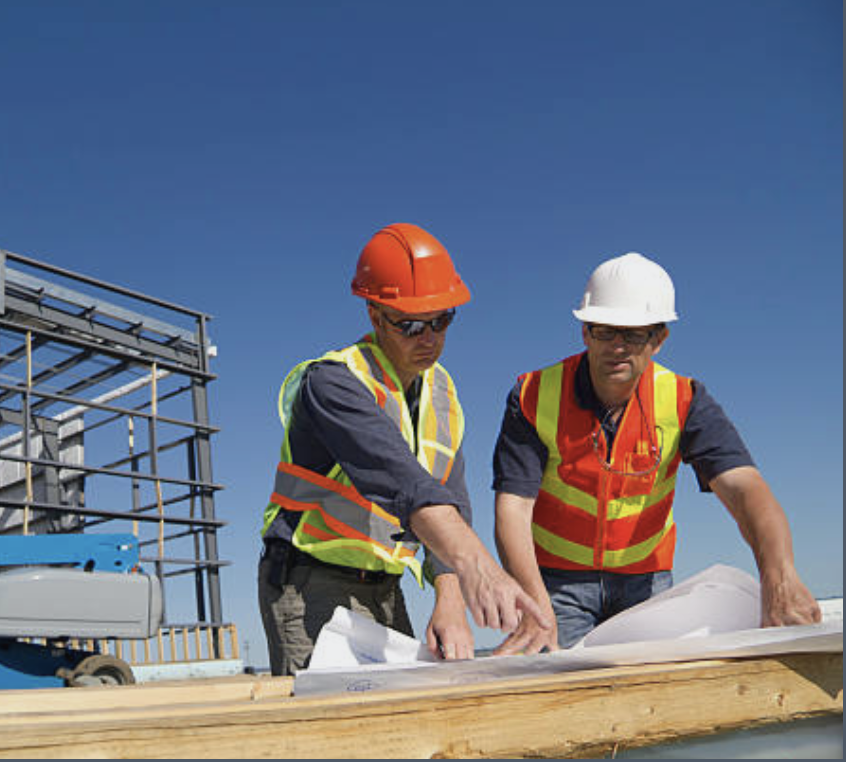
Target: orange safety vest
[[338, 525], [592, 513]]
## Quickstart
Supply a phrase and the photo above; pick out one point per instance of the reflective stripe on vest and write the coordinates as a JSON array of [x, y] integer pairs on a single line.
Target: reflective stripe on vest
[[342, 508], [616, 516], [338, 524], [440, 418]]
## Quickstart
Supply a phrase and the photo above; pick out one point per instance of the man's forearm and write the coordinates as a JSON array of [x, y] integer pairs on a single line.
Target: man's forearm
[[494, 598], [442, 529], [764, 526], [515, 543], [759, 517]]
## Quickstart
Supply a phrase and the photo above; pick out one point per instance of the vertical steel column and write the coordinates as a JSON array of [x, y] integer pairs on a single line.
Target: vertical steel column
[[2, 281], [26, 404], [199, 396], [198, 570]]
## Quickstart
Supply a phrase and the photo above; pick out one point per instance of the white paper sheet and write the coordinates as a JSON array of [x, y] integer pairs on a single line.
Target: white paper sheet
[[350, 639], [705, 617], [719, 599]]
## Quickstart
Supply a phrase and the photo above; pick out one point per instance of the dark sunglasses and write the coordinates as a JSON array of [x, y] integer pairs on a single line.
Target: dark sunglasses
[[411, 328]]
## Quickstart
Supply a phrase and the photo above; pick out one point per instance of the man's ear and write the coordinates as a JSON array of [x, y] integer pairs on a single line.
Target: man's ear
[[659, 340], [585, 333], [373, 314]]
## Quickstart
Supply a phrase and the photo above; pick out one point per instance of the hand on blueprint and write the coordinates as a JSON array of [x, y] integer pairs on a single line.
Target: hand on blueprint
[[448, 635], [763, 524], [528, 638], [494, 597], [785, 600]]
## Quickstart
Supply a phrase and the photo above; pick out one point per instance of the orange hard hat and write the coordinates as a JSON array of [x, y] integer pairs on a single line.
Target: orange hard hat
[[406, 268]]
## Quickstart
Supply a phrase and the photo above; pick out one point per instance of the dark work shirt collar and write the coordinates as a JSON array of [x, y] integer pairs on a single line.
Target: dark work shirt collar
[[587, 400]]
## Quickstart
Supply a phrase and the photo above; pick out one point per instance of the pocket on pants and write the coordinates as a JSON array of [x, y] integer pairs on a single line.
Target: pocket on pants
[[275, 564]]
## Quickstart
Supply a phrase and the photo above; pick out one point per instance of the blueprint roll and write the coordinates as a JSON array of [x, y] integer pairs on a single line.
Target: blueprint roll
[[719, 599]]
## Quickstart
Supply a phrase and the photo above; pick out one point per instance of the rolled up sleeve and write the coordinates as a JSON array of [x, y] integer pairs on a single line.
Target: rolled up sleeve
[[519, 456], [709, 442]]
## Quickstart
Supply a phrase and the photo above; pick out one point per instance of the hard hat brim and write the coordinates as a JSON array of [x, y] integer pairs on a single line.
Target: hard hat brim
[[455, 297], [622, 317]]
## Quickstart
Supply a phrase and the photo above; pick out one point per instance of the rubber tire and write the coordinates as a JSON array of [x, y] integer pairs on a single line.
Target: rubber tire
[[109, 670]]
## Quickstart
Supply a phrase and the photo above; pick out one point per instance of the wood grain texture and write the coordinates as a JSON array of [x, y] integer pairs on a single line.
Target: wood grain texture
[[577, 714]]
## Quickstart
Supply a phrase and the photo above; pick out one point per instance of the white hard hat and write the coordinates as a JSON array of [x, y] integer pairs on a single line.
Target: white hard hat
[[630, 290]]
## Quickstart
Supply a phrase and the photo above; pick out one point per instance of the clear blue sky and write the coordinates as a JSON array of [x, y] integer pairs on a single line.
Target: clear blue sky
[[235, 157]]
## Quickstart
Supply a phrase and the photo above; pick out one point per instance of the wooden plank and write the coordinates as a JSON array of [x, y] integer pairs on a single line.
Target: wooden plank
[[36, 705], [567, 715]]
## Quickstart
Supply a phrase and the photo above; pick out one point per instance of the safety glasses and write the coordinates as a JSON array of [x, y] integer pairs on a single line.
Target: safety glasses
[[411, 328], [637, 337]]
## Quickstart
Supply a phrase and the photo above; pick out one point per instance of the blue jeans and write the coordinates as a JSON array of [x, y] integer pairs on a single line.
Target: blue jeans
[[583, 599]]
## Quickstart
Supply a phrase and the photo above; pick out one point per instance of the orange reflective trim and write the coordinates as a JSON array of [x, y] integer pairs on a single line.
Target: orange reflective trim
[[346, 491], [529, 390], [447, 471], [345, 530], [317, 533], [381, 396], [684, 396], [292, 505], [341, 529]]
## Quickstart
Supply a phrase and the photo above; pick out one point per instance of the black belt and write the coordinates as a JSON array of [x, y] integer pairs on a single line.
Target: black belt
[[296, 557]]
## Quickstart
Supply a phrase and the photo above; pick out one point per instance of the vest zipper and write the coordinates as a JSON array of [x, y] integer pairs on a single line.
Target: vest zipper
[[604, 487], [601, 505]]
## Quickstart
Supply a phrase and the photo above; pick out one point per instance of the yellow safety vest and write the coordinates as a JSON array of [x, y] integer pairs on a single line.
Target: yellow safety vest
[[338, 525]]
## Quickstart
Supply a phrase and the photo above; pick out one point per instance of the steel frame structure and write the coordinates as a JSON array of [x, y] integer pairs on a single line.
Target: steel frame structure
[[85, 367]]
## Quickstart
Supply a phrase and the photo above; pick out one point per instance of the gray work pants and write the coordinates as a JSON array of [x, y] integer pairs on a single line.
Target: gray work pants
[[296, 601]]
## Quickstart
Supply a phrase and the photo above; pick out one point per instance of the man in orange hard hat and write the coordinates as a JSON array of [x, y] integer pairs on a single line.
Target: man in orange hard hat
[[371, 462], [585, 468]]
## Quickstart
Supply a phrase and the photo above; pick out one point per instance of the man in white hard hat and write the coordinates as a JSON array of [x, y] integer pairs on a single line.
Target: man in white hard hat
[[585, 468]]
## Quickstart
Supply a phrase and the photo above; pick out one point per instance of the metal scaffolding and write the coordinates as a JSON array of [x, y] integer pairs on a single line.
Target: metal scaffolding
[[104, 423]]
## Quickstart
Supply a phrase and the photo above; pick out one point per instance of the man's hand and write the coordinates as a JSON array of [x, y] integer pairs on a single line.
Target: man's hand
[[493, 597], [763, 524], [785, 600], [528, 638], [448, 635]]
